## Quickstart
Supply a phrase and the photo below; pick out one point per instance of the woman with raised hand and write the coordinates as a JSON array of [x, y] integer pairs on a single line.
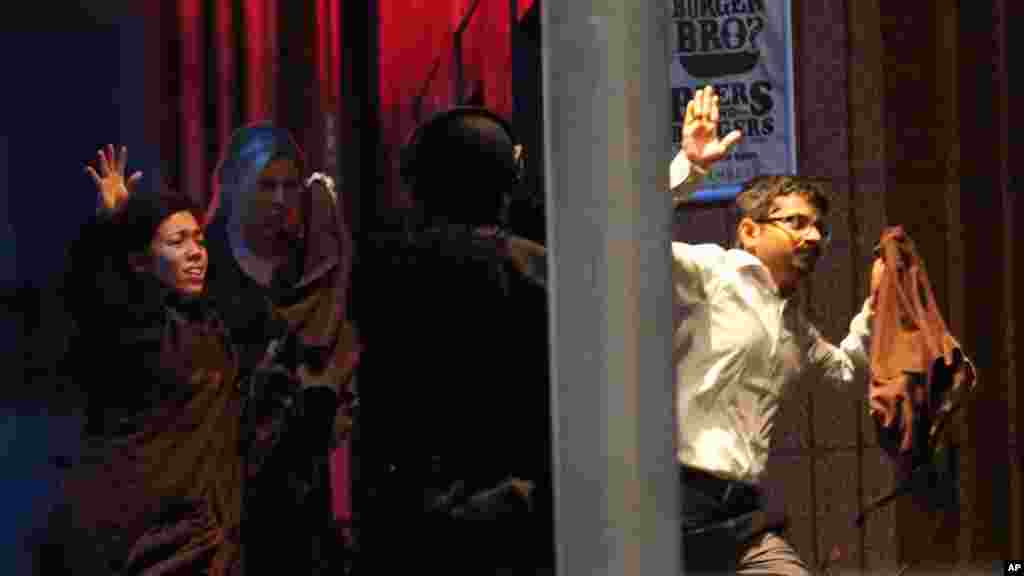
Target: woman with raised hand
[[159, 487]]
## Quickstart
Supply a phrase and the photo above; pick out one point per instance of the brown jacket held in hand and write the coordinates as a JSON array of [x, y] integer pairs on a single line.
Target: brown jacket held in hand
[[918, 370]]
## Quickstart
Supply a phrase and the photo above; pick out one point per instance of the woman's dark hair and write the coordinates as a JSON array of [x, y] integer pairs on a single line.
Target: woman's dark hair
[[145, 210]]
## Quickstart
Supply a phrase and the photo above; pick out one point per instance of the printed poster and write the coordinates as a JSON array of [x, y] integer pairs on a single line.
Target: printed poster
[[744, 49]]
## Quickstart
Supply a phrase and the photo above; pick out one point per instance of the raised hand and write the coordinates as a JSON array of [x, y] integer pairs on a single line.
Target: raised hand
[[700, 131], [113, 188]]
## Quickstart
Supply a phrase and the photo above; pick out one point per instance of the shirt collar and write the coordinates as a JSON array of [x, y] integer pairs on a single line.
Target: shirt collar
[[741, 260]]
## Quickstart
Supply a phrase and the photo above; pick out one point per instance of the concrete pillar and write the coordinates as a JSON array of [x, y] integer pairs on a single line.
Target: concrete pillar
[[607, 143]]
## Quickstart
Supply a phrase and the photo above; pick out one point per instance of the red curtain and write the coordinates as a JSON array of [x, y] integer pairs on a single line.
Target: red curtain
[[218, 64], [421, 47], [522, 6]]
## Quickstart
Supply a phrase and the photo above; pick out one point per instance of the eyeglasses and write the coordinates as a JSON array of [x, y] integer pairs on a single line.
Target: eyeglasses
[[801, 224]]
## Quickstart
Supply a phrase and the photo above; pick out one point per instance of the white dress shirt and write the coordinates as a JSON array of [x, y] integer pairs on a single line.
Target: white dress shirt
[[737, 347]]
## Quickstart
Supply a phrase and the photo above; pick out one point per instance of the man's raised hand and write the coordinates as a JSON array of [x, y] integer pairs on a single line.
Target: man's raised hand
[[701, 143]]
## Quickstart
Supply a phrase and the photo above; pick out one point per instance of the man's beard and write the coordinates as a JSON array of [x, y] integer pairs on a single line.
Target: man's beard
[[805, 259]]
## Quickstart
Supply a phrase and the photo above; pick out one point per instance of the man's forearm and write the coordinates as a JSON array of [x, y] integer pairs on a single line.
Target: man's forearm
[[684, 177], [849, 362]]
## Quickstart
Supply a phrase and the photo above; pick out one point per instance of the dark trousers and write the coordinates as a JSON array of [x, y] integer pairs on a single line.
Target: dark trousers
[[725, 530]]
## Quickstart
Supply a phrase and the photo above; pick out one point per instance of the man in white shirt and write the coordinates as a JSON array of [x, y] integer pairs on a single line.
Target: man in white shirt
[[740, 342]]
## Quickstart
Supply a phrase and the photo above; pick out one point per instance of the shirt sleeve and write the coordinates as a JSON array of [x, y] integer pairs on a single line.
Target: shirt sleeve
[[683, 178], [849, 362], [693, 268], [692, 264]]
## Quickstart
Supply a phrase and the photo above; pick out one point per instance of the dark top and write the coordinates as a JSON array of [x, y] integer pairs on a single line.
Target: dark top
[[454, 397]]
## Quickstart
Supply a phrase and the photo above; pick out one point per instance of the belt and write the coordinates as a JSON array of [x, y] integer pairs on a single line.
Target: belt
[[740, 518], [730, 493]]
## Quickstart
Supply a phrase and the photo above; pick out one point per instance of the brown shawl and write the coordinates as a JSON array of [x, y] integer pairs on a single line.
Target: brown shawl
[[918, 370], [166, 499]]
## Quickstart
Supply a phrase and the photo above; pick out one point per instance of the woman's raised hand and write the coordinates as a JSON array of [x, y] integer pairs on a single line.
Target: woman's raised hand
[[113, 188]]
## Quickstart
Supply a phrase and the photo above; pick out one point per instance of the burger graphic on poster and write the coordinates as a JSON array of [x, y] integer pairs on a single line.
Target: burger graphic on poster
[[718, 38]]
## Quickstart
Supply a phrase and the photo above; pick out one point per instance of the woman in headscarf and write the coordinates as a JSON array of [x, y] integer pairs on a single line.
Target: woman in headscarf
[[287, 241], [283, 252], [159, 487]]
